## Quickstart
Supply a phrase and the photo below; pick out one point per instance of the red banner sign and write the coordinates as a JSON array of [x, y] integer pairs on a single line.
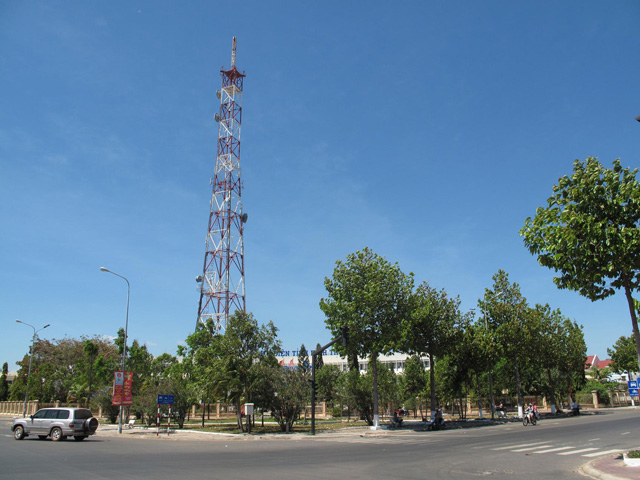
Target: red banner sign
[[122, 388]]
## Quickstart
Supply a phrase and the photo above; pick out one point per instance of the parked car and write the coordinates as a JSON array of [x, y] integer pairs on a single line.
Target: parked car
[[58, 423]]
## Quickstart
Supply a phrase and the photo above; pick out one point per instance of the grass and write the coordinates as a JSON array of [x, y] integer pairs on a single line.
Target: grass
[[633, 454]]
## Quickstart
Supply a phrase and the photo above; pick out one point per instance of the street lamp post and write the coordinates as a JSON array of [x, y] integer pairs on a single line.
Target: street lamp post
[[33, 344], [126, 328]]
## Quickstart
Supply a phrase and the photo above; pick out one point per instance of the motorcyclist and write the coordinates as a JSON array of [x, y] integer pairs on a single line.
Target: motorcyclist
[[575, 408], [396, 420], [439, 419], [530, 411]]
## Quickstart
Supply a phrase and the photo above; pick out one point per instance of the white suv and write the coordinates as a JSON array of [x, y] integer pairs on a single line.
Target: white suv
[[57, 423]]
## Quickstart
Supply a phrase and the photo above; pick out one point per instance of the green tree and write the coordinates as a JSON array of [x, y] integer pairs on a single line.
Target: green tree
[[430, 328], [4, 384], [326, 380], [182, 389], [303, 360], [60, 369], [413, 381], [370, 296], [290, 396], [228, 364], [345, 389], [157, 381], [91, 351], [589, 233], [197, 358], [547, 337], [623, 356], [462, 361], [573, 355], [508, 316]]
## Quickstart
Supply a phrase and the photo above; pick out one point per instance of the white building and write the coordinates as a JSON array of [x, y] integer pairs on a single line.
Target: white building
[[395, 361]]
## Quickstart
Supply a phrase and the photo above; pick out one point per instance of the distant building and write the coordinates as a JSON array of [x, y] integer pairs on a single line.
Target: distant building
[[594, 361], [395, 361]]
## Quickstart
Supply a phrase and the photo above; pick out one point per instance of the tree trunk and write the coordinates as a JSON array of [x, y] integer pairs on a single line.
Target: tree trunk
[[239, 416], [518, 386], [479, 397], [432, 386], [374, 372], [552, 392], [634, 318]]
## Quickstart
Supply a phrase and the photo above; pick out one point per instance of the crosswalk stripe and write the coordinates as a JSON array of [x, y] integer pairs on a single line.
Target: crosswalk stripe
[[536, 447], [518, 446], [597, 454], [558, 449], [575, 452], [531, 448]]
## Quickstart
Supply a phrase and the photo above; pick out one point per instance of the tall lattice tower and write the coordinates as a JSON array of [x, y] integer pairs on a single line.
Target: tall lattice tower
[[222, 281]]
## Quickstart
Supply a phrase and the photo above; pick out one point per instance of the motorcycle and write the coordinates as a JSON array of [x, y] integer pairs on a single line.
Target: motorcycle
[[529, 417]]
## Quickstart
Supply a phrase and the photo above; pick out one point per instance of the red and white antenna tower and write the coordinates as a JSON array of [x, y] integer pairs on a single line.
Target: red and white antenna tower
[[222, 281]]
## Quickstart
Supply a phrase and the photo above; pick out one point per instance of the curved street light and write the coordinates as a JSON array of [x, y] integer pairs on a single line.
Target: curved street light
[[33, 344], [126, 328]]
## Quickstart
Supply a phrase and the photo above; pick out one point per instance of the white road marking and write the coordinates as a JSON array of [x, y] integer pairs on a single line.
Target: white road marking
[[597, 454], [531, 448], [549, 450], [517, 446], [574, 452]]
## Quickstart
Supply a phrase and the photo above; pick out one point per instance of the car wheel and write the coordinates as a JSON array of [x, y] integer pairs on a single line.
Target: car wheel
[[79, 438], [56, 434], [42, 437], [18, 432]]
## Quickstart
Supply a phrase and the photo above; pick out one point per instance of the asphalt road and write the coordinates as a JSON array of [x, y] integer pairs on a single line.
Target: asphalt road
[[554, 449]]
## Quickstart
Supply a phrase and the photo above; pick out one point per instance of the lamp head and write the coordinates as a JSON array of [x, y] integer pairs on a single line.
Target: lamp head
[[104, 269]]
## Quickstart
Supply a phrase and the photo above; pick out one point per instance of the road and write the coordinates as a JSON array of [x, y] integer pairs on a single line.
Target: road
[[554, 449]]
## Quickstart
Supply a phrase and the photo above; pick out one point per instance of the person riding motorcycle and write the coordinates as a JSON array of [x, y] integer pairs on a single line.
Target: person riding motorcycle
[[535, 411], [530, 412]]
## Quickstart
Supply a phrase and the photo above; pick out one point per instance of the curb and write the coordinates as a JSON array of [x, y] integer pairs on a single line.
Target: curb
[[611, 469], [590, 471]]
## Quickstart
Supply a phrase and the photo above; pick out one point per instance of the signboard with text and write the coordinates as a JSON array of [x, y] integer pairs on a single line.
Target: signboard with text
[[122, 388], [633, 388], [165, 399]]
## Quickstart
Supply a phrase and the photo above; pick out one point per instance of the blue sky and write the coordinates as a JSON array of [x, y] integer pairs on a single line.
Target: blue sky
[[427, 131]]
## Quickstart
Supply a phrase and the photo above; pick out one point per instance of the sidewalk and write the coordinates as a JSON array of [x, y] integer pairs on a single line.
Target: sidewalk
[[610, 468]]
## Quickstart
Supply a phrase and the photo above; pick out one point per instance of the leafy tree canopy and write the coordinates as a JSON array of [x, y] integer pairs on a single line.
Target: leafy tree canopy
[[589, 233], [623, 356]]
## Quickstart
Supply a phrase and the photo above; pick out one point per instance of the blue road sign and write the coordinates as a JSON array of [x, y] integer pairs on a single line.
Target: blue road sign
[[633, 388], [165, 399]]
